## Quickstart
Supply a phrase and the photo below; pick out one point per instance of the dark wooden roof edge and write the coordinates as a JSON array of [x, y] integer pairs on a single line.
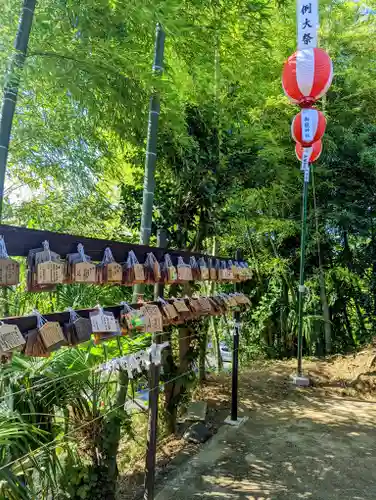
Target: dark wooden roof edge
[[19, 240]]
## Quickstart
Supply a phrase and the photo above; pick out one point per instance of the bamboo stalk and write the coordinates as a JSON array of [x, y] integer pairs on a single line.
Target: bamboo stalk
[[11, 88], [151, 153]]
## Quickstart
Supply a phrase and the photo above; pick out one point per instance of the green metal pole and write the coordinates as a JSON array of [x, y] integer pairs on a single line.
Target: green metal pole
[[151, 153], [301, 280], [11, 88]]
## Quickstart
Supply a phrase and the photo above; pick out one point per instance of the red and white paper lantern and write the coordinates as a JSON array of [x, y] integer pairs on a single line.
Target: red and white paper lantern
[[314, 153], [308, 126], [307, 76]]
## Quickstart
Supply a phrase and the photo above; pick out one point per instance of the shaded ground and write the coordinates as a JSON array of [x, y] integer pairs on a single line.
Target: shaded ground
[[317, 443], [306, 449]]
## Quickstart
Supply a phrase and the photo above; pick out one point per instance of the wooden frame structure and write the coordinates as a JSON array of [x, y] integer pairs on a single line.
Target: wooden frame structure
[[19, 240]]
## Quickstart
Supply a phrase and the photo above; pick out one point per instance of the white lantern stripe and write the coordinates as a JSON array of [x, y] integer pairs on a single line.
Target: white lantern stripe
[[305, 70], [328, 83]]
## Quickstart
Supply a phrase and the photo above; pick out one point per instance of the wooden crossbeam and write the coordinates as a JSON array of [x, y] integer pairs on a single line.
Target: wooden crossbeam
[[19, 240], [26, 323]]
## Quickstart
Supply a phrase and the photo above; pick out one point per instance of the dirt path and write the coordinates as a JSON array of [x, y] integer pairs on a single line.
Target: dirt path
[[296, 445]]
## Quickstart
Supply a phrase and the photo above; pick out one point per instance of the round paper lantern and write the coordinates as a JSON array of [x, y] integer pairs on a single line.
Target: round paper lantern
[[315, 154], [306, 76], [308, 126]]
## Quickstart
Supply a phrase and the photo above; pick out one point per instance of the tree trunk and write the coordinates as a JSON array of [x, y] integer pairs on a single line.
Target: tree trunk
[[348, 324], [169, 372], [111, 440], [216, 343], [178, 385], [202, 357]]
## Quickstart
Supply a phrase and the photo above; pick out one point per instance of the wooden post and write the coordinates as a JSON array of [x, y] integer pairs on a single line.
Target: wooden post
[[153, 399], [162, 243]]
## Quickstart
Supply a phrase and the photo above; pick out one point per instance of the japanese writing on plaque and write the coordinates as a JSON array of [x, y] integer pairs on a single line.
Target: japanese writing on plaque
[[307, 21], [9, 272], [153, 318], [10, 338], [84, 272], [307, 125], [103, 321]]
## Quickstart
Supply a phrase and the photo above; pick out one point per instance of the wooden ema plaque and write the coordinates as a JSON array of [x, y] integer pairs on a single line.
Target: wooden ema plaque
[[10, 338], [242, 299], [170, 311], [153, 318], [139, 273], [180, 306], [103, 321], [185, 273], [9, 272], [213, 274], [232, 302], [157, 271], [227, 274], [84, 272], [133, 320], [34, 345], [235, 272], [195, 305], [51, 334], [50, 273], [114, 272], [217, 309], [205, 305], [172, 274], [204, 273], [83, 330]]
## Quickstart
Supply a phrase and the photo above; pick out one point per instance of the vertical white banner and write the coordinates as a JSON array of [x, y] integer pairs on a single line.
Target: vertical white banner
[[306, 174], [307, 19], [308, 117], [305, 159]]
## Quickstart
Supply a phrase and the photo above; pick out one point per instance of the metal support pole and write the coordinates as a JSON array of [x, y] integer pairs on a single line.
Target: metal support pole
[[301, 280], [235, 357], [153, 400]]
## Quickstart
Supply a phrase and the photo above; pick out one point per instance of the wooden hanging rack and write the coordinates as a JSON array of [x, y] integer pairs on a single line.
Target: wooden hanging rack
[[19, 240]]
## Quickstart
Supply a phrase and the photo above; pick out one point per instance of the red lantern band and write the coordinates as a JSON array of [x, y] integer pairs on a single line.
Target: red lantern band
[[307, 76], [315, 153], [308, 127]]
